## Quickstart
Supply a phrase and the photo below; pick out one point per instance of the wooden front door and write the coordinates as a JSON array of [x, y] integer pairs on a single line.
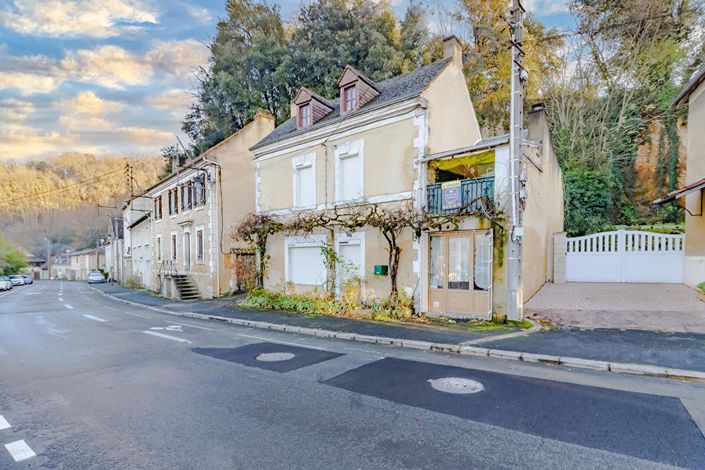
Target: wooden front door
[[460, 273]]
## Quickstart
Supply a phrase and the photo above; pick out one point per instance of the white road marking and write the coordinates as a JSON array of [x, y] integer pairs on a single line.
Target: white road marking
[[68, 306], [189, 325], [282, 342], [91, 317], [3, 423], [60, 299], [19, 450], [135, 314], [161, 335]]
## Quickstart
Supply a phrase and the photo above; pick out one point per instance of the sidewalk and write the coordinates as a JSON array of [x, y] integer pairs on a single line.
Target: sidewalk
[[625, 351], [227, 308]]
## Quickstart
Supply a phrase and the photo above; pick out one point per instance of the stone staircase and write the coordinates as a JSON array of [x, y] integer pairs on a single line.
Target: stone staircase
[[186, 287]]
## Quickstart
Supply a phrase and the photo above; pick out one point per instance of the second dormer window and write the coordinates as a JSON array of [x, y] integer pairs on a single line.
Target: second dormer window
[[305, 113], [350, 97]]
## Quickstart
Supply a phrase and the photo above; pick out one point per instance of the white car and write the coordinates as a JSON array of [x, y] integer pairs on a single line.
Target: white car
[[17, 280], [5, 283]]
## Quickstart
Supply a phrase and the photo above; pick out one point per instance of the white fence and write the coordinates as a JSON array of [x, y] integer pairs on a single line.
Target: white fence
[[625, 256]]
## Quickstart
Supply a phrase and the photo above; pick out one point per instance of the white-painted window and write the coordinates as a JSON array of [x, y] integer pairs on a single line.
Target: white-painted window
[[304, 173], [305, 264], [349, 169]]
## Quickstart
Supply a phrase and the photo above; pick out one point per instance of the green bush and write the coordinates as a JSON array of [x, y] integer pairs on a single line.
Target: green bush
[[588, 201]]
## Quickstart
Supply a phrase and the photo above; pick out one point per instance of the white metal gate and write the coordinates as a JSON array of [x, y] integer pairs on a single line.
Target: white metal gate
[[625, 256]]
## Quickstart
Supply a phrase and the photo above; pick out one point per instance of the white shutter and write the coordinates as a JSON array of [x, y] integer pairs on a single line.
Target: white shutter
[[306, 265], [306, 187], [350, 178]]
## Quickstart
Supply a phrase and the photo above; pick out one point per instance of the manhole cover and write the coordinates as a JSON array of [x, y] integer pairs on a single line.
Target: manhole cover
[[275, 357], [456, 385]]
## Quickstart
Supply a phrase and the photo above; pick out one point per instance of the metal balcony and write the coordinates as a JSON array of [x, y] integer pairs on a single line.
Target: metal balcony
[[473, 193]]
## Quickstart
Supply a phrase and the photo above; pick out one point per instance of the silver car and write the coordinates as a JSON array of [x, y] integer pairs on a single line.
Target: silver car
[[28, 279], [5, 283], [17, 280], [95, 277]]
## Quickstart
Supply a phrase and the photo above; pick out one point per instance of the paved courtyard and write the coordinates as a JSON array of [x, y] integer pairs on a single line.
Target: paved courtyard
[[654, 307]]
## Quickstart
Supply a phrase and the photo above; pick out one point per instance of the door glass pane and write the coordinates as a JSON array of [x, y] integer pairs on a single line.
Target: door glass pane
[[483, 261], [437, 263], [459, 263]]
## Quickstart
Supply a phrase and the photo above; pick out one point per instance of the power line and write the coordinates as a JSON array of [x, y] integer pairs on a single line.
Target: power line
[[63, 188]]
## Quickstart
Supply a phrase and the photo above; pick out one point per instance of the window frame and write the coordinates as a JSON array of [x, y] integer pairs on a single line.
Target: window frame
[[200, 246], [305, 120], [347, 99], [174, 246], [300, 163], [352, 149]]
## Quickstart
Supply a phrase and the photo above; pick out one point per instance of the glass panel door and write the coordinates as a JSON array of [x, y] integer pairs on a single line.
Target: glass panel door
[[437, 263], [459, 263]]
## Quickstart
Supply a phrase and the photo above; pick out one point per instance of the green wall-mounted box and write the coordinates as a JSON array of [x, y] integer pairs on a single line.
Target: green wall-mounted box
[[381, 269]]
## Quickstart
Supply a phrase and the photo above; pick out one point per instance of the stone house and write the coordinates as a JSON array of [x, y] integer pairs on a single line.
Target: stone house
[[411, 140], [193, 212]]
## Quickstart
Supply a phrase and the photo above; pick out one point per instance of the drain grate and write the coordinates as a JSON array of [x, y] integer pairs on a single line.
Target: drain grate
[[456, 385], [275, 357]]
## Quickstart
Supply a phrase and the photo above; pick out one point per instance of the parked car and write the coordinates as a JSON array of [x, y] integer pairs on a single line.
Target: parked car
[[95, 277], [5, 283], [28, 279], [17, 280]]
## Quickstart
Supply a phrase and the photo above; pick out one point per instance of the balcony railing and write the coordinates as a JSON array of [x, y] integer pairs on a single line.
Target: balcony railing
[[473, 194]]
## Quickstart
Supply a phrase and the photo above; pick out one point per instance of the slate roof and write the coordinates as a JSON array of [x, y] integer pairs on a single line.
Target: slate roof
[[396, 89], [694, 83]]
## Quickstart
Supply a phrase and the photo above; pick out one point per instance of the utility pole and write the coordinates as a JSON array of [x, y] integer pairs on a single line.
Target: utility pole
[[48, 257], [130, 180], [515, 300]]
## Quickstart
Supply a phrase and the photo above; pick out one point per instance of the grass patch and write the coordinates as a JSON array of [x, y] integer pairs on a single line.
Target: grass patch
[[701, 287]]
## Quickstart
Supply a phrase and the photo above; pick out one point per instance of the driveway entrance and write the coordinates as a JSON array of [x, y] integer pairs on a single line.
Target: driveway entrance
[[653, 307]]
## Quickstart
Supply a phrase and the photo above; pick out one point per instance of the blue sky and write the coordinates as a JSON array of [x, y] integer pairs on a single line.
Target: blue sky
[[115, 76]]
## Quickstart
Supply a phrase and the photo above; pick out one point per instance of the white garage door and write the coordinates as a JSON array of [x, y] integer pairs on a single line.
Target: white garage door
[[625, 256]]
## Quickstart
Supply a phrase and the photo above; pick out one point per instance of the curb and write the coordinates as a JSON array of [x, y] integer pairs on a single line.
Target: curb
[[461, 349]]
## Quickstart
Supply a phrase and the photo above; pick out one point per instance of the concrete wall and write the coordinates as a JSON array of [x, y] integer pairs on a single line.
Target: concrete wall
[[543, 214], [451, 116], [695, 225]]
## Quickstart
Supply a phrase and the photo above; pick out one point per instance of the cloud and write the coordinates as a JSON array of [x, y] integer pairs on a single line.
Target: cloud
[[200, 14], [89, 104], [547, 7], [77, 18], [177, 58], [13, 111], [22, 142], [28, 83], [175, 100], [107, 66], [145, 136]]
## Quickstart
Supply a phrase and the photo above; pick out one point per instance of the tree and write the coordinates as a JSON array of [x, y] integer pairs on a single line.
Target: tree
[[618, 76], [11, 259], [488, 59]]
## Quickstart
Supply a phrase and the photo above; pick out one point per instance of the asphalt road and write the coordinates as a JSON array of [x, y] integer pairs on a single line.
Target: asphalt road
[[89, 383]]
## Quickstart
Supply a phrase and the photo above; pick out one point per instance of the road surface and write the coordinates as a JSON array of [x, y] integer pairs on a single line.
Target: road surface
[[86, 382]]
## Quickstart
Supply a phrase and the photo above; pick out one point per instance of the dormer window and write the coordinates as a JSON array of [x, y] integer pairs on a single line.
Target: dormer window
[[350, 98], [309, 108], [305, 115], [356, 90]]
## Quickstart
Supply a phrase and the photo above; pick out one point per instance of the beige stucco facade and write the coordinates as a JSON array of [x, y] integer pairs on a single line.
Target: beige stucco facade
[[694, 269]]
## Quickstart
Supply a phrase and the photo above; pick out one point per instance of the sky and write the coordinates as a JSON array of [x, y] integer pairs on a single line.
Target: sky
[[117, 76]]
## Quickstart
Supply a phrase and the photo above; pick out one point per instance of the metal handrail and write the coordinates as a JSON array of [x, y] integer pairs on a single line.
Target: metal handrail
[[474, 192]]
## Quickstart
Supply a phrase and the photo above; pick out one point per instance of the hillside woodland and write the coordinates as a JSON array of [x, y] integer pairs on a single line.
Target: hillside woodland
[[68, 198]]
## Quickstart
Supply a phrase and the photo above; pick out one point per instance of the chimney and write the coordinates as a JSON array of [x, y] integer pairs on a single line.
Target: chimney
[[452, 49]]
